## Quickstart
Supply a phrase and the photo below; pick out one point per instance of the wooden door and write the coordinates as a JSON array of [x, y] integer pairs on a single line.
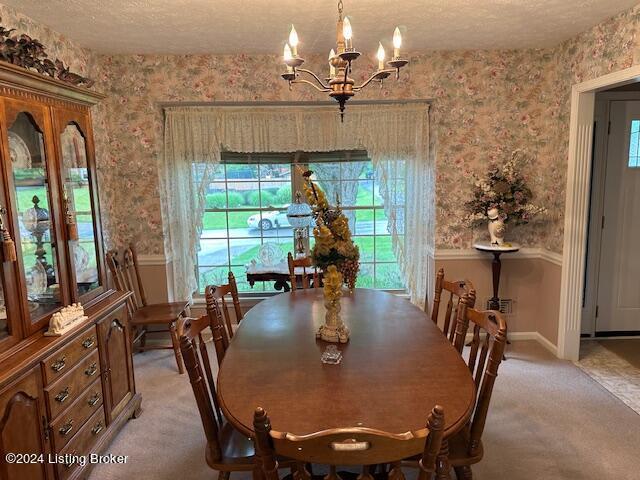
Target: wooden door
[[618, 306], [22, 428], [116, 362]]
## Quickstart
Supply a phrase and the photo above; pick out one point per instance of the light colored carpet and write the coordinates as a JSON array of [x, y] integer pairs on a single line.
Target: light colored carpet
[[548, 420]]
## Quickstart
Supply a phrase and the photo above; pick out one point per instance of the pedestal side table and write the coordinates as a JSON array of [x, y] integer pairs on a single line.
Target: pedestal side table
[[496, 265]]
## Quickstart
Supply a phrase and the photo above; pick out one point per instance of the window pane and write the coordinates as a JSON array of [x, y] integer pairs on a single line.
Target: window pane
[[363, 221], [243, 250], [634, 144], [212, 276], [243, 194], [214, 225], [388, 276], [269, 194], [243, 172], [262, 192], [216, 195], [364, 197], [365, 244], [241, 281], [384, 249], [213, 252], [275, 171], [247, 224], [365, 276]]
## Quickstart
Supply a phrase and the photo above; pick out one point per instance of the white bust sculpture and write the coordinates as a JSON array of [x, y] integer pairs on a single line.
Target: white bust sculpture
[[496, 227]]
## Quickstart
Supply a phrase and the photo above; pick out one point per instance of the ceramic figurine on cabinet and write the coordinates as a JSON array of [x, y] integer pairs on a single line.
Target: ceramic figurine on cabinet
[[496, 227]]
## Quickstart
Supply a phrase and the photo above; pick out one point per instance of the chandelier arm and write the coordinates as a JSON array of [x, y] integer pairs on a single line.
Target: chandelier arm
[[372, 78], [315, 77], [302, 80]]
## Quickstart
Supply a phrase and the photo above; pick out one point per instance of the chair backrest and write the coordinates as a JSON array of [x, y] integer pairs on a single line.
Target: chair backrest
[[215, 296], [457, 289], [348, 446], [198, 366], [126, 276], [483, 358], [303, 263], [221, 336]]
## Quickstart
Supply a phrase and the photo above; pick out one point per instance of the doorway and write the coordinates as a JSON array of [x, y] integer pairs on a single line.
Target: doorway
[[611, 301]]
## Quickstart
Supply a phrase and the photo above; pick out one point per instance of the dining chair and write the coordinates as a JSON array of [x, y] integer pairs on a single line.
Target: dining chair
[[483, 356], [457, 289], [346, 446], [126, 276], [227, 450], [303, 263], [216, 298], [220, 332]]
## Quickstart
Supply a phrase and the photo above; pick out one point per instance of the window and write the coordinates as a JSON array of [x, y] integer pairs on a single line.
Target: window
[[246, 208], [634, 144]]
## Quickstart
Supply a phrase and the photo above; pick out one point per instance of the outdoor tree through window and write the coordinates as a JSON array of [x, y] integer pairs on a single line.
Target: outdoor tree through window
[[246, 207]]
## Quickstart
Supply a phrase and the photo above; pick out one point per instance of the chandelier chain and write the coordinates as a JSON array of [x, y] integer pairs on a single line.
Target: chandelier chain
[[340, 7]]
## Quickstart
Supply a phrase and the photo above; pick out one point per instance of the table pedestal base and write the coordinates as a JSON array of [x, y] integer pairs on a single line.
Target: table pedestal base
[[333, 333]]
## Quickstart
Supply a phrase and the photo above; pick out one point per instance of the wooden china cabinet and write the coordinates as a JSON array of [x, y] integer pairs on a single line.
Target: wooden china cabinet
[[68, 394]]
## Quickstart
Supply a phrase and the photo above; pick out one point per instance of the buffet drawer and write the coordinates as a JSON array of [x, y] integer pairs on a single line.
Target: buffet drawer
[[70, 386], [81, 444], [71, 420], [59, 363]]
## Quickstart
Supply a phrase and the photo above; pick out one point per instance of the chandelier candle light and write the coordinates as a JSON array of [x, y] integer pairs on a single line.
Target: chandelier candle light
[[339, 85]]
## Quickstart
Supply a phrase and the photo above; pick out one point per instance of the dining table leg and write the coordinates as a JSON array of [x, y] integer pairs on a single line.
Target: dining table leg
[[463, 473], [443, 467]]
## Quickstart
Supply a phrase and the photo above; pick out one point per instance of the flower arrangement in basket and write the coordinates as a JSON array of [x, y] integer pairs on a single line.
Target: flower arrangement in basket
[[335, 254], [502, 197]]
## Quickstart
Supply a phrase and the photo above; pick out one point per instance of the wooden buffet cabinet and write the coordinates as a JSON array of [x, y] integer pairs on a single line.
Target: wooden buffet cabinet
[[60, 397]]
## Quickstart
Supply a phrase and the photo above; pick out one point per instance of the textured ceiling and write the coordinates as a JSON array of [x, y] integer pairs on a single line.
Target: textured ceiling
[[261, 26]]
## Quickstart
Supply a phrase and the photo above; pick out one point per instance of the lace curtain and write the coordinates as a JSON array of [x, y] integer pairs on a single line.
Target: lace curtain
[[396, 137]]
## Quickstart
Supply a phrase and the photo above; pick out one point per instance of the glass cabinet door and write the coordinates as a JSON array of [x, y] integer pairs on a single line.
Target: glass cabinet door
[[76, 179], [35, 235]]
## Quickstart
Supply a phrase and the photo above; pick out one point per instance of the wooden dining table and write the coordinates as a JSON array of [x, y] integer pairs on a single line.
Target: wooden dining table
[[396, 366]]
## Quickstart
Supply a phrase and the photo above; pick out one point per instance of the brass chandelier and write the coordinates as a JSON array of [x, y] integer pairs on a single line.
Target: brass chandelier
[[338, 84]]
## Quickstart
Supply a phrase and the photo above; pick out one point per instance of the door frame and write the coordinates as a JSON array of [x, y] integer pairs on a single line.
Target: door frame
[[576, 213], [597, 196]]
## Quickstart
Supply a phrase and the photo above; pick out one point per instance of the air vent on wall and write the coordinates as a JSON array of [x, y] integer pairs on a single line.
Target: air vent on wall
[[506, 306]]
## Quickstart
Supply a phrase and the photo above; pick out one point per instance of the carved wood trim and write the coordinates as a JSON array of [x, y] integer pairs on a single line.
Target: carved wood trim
[[43, 98], [20, 396], [17, 81]]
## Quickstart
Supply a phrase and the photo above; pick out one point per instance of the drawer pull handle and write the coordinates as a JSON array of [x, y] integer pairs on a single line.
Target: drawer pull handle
[[94, 400], [69, 463], [59, 364], [98, 428], [91, 371], [66, 428], [89, 342], [63, 395]]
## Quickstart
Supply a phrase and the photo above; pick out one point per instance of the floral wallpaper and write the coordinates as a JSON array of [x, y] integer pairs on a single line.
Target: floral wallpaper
[[485, 104]]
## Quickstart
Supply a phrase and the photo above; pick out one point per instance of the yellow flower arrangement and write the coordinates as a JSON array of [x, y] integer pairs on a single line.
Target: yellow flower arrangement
[[334, 246]]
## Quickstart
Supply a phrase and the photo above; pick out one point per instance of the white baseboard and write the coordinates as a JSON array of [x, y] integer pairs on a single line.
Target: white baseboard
[[541, 339], [526, 336]]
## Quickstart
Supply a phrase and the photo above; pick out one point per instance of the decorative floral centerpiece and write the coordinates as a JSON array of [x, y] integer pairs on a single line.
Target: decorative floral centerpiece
[[335, 254], [503, 197]]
